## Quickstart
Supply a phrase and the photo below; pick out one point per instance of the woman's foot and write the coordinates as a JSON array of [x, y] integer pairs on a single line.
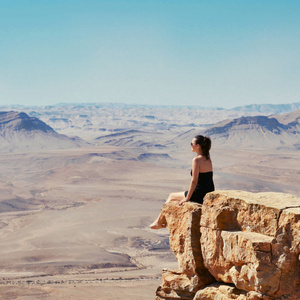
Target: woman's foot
[[156, 225]]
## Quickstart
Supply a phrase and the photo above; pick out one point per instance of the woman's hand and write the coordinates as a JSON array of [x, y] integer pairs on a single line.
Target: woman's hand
[[183, 201]]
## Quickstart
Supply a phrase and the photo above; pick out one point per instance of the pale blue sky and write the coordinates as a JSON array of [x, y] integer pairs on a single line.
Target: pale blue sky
[[207, 53]]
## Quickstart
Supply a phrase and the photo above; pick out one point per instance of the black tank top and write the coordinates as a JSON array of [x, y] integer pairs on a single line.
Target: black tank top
[[205, 180], [205, 185]]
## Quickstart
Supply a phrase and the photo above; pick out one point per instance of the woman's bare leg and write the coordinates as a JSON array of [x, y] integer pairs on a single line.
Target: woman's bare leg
[[159, 223]]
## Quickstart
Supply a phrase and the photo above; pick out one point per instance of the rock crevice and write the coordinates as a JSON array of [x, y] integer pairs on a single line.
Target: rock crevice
[[237, 245]]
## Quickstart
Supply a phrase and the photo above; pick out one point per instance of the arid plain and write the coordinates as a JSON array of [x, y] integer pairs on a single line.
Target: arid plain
[[74, 221]]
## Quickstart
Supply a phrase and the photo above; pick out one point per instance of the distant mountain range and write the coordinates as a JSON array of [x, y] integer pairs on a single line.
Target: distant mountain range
[[19, 132], [277, 131], [269, 108], [166, 129], [259, 108]]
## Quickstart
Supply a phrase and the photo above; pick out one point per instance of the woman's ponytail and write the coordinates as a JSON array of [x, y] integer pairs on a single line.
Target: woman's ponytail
[[205, 143]]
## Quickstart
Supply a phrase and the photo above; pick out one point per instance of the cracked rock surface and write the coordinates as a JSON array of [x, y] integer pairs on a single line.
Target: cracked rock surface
[[248, 241]]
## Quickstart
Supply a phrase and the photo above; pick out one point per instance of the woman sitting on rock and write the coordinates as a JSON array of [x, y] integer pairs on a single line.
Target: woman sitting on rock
[[202, 178]]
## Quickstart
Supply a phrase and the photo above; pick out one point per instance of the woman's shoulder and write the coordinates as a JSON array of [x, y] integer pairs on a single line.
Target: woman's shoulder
[[200, 158], [196, 159], [203, 162]]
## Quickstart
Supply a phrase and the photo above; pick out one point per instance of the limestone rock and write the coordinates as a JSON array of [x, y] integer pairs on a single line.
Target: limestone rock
[[249, 242], [252, 241], [184, 227], [227, 292]]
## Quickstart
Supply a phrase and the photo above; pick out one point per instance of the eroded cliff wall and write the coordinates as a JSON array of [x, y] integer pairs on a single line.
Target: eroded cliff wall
[[237, 245]]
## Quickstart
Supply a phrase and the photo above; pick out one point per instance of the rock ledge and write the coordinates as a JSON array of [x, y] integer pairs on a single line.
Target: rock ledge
[[237, 245]]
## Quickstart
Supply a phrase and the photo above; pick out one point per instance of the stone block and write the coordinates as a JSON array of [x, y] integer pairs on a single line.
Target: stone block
[[249, 243]]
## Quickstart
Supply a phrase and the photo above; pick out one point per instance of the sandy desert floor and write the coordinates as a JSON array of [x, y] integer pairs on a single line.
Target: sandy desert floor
[[74, 223]]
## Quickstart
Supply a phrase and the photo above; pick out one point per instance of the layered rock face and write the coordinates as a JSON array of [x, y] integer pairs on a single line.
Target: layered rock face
[[183, 224], [237, 245]]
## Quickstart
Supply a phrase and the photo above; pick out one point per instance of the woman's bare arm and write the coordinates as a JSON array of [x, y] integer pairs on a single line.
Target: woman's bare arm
[[194, 180]]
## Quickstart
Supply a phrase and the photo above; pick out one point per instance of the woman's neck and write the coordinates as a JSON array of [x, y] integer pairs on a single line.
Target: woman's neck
[[199, 153]]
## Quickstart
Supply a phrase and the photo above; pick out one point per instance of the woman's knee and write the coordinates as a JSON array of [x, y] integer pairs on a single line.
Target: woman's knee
[[174, 196], [171, 196]]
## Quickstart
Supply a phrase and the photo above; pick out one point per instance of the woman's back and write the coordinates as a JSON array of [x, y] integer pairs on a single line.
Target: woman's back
[[205, 165]]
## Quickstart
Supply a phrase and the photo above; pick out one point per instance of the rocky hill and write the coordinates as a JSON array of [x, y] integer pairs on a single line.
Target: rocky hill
[[237, 245], [19, 132], [291, 120], [282, 131], [14, 121], [132, 138]]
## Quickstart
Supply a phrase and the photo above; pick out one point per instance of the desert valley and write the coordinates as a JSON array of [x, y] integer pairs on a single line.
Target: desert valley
[[80, 185]]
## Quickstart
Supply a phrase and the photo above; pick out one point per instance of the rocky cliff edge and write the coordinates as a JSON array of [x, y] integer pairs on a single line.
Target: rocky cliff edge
[[237, 245]]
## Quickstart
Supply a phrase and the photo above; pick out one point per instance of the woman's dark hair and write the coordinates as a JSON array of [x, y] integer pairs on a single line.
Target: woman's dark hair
[[205, 143]]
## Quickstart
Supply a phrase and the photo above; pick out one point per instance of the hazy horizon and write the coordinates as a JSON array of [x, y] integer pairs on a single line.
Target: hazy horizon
[[123, 104]]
